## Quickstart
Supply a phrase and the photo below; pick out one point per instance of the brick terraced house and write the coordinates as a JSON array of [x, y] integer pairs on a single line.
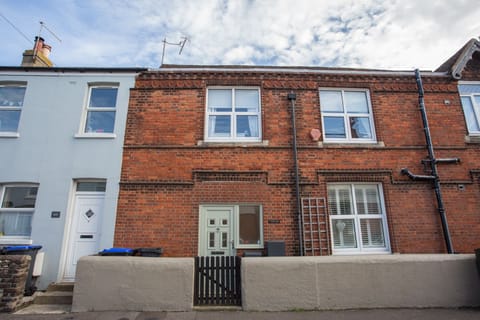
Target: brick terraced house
[[224, 160]]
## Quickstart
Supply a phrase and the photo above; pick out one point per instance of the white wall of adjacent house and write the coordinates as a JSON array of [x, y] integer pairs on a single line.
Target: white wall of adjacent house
[[53, 149]]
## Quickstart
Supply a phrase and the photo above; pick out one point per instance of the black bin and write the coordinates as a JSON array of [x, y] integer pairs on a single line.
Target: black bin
[[149, 252], [117, 252], [275, 248], [31, 251]]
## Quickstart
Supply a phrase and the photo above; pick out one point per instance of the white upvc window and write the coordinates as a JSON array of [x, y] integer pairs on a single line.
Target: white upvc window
[[347, 116], [16, 211], [233, 114], [358, 221], [470, 95], [99, 118], [249, 225], [11, 103]]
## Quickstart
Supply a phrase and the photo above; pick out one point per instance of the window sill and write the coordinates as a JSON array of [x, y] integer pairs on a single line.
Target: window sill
[[262, 143], [15, 241], [95, 136], [472, 139], [9, 135], [373, 144]]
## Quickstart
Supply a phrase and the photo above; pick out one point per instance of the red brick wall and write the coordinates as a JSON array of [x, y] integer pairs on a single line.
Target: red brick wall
[[168, 172]]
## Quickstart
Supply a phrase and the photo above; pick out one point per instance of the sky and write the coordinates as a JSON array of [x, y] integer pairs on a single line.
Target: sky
[[388, 34]]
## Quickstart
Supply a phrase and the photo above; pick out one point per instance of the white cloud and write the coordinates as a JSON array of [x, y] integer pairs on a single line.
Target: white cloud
[[390, 34]]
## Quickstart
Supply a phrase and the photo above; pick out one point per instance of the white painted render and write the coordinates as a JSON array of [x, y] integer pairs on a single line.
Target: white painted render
[[47, 152]]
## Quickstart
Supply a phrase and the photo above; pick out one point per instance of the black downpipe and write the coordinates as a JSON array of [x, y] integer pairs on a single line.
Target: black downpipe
[[433, 163], [292, 97]]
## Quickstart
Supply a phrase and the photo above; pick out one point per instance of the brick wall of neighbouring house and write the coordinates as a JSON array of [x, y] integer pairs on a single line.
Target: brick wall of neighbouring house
[[168, 171], [13, 276]]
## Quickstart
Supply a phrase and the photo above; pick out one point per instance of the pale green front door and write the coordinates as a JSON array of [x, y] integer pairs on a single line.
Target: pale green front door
[[216, 231]]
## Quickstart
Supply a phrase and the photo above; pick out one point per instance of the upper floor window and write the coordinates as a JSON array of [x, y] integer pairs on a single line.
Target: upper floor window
[[233, 114], [11, 102], [101, 108], [346, 115], [16, 211], [470, 95]]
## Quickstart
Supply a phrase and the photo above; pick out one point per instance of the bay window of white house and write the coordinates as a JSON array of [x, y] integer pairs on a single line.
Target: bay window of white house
[[347, 116], [470, 95], [233, 114], [357, 219], [11, 103], [16, 211]]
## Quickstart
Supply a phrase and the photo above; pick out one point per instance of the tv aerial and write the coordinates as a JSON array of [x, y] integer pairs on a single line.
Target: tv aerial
[[180, 44]]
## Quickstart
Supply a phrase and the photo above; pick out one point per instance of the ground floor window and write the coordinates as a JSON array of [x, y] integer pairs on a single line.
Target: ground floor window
[[357, 218], [16, 211]]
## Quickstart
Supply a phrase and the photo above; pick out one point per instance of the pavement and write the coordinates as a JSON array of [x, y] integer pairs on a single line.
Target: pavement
[[374, 314]]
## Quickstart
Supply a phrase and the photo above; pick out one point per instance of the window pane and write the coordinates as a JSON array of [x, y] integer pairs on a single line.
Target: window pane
[[220, 100], [219, 126], [356, 102], [19, 197], [334, 127], [249, 224], [211, 240], [92, 186], [103, 98], [469, 88], [246, 100], [100, 121], [372, 233], [247, 126], [9, 120], [15, 223], [470, 118], [339, 200], [344, 233], [331, 101], [224, 240], [360, 128], [367, 200], [12, 96]]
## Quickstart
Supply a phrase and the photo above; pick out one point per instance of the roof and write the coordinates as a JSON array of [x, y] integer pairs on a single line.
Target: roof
[[457, 63], [72, 69]]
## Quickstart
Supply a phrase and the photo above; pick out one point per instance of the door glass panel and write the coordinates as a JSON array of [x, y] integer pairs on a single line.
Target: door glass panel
[[225, 222], [91, 186], [224, 239], [211, 240], [211, 222]]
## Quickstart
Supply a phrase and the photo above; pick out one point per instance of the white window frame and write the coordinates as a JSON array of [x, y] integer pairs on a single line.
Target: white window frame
[[17, 239], [476, 107], [83, 133], [13, 108], [356, 218], [233, 124], [348, 135]]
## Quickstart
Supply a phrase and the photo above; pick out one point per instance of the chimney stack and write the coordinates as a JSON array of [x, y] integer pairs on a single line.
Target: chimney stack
[[38, 56]]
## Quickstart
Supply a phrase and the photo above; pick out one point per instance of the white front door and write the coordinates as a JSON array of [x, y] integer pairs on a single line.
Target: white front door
[[216, 231], [84, 235]]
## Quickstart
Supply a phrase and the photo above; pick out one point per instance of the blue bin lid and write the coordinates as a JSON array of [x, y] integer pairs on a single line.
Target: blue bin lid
[[22, 248], [117, 250]]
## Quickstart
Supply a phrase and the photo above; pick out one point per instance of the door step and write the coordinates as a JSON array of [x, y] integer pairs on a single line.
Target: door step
[[57, 293]]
